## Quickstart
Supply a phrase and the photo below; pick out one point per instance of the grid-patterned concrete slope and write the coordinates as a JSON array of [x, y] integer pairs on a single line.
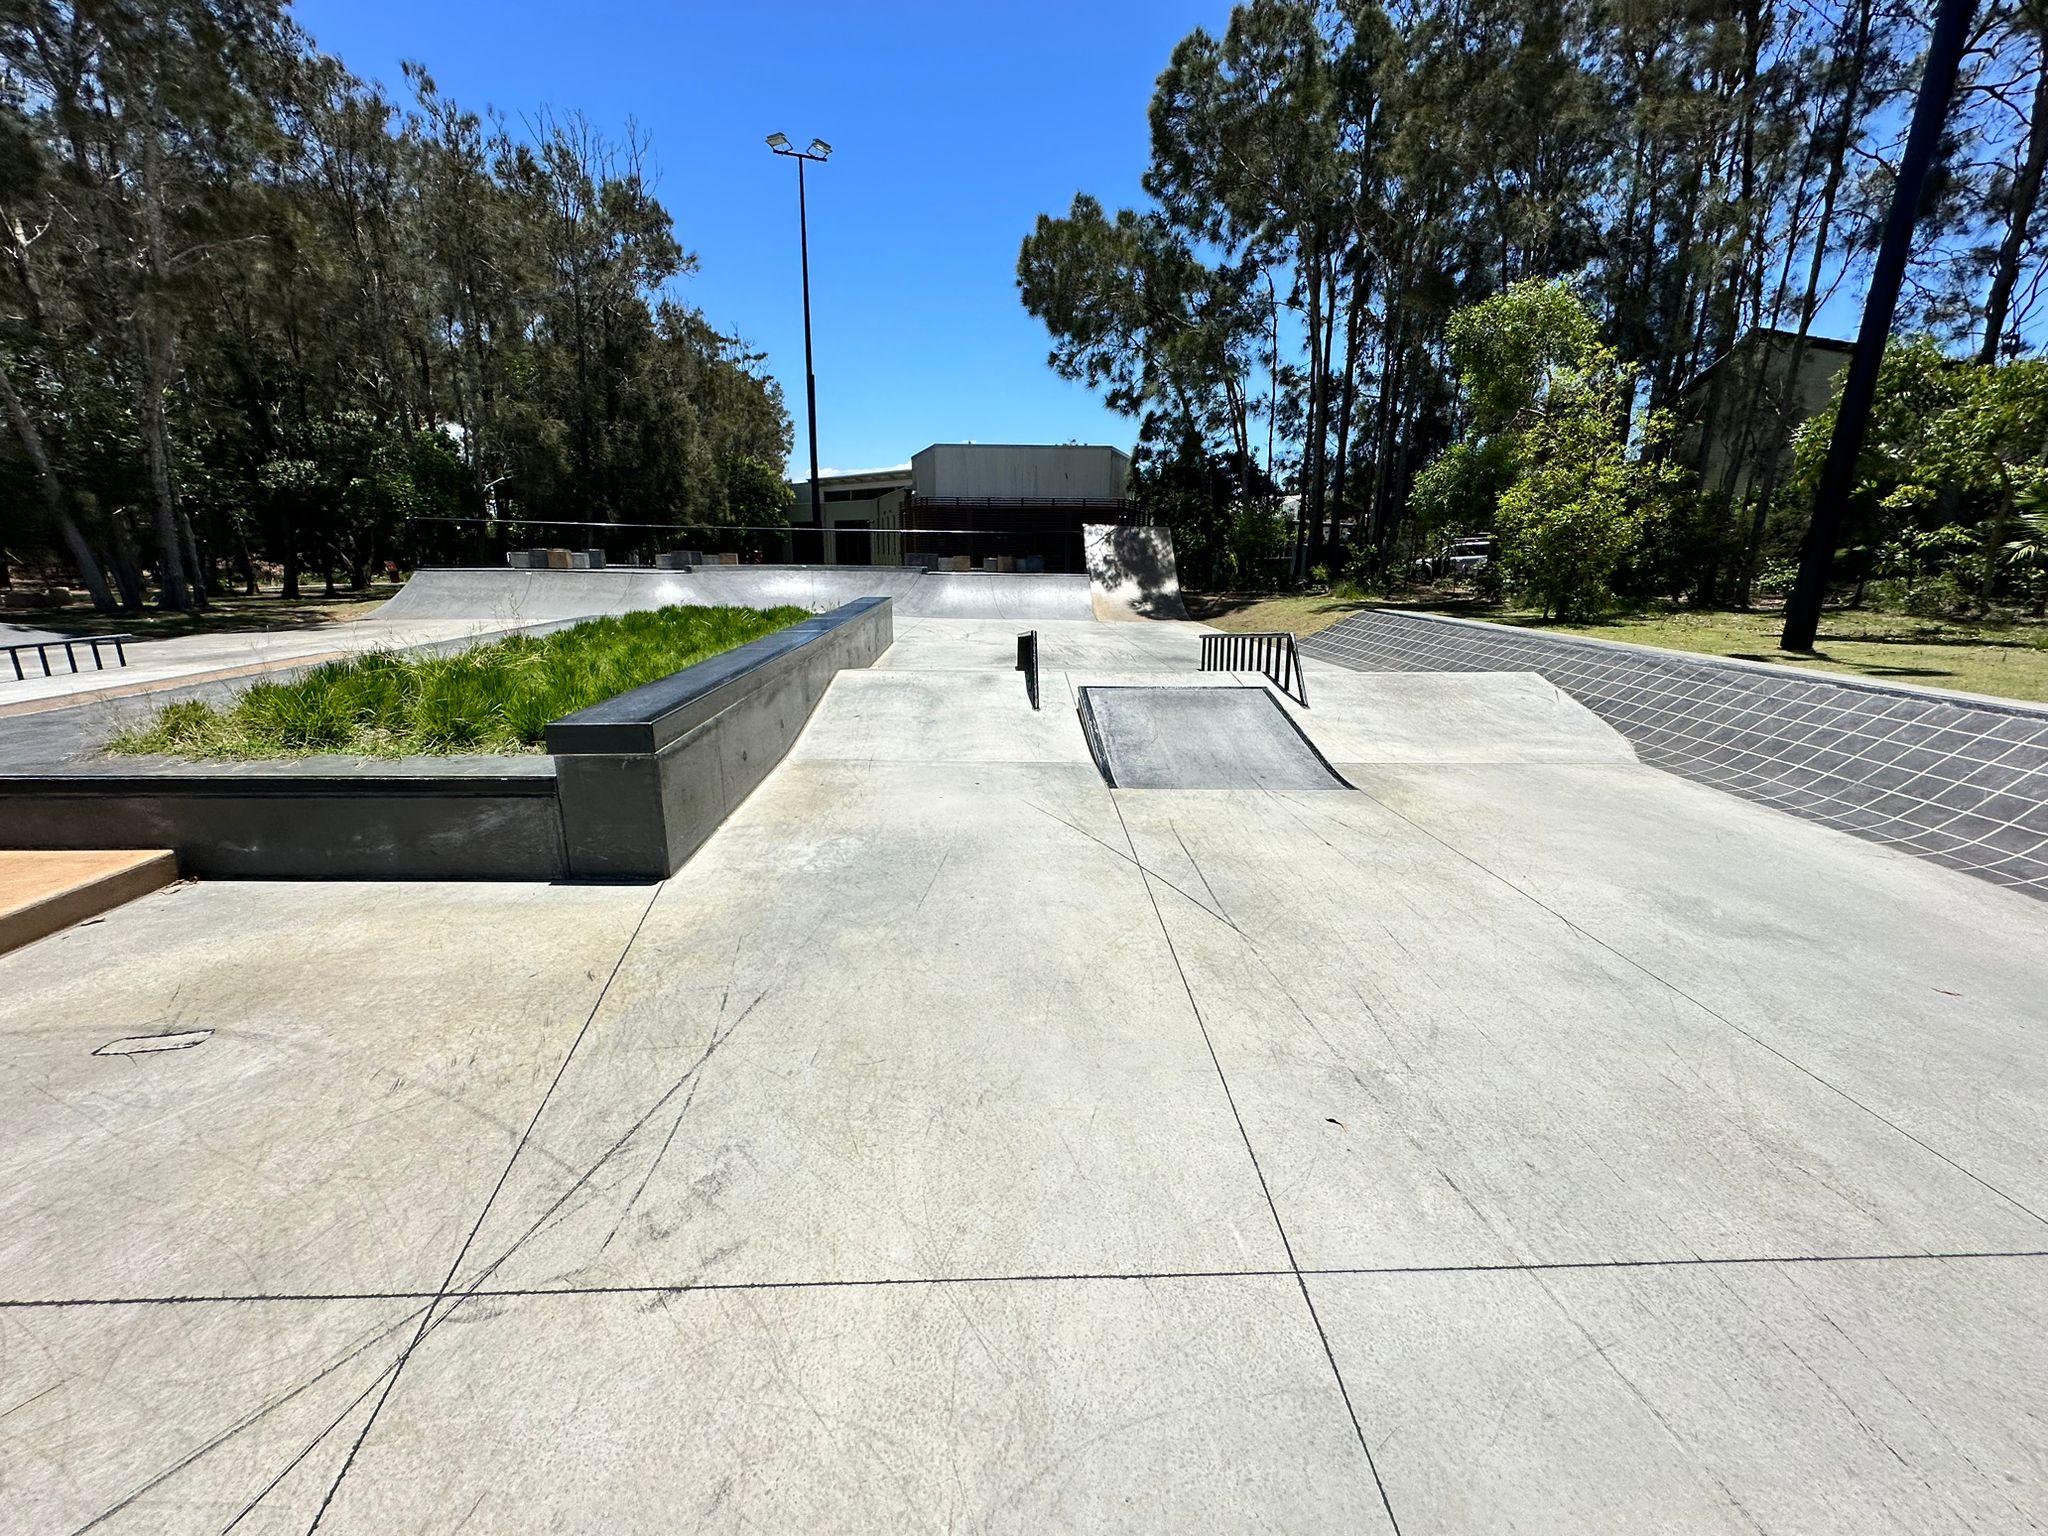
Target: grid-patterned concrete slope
[[1964, 784]]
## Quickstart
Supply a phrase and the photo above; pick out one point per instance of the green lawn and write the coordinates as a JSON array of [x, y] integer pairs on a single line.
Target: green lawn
[[2005, 660], [491, 698]]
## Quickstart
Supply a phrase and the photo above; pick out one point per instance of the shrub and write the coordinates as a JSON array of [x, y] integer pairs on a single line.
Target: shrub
[[489, 698]]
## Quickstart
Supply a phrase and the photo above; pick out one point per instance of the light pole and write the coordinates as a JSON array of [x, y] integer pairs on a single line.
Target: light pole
[[819, 152]]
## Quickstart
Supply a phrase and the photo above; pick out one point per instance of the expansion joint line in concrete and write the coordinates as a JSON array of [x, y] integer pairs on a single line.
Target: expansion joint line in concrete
[[1293, 1264], [1713, 1013], [455, 1267]]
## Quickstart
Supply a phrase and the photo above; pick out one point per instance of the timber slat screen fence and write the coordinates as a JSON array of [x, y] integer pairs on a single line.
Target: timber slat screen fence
[[1272, 653]]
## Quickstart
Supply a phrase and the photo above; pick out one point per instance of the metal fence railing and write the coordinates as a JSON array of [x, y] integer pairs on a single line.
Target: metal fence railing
[[1272, 653]]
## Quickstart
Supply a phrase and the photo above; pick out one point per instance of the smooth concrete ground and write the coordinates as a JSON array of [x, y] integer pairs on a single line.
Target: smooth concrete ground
[[1525, 1141], [158, 664]]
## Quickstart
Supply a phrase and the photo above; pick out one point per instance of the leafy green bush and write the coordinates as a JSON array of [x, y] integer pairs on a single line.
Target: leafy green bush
[[489, 698], [1931, 597]]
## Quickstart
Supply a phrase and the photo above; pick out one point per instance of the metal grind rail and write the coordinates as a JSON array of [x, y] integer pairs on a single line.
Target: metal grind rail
[[1272, 653], [42, 648]]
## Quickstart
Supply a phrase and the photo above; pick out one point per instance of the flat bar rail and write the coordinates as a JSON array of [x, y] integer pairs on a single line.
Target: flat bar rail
[[1271, 653], [42, 648]]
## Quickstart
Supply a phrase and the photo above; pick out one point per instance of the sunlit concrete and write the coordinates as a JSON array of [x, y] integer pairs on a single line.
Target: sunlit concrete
[[1525, 1140]]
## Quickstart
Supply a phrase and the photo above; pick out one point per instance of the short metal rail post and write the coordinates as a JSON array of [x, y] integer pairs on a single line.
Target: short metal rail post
[[1027, 663]]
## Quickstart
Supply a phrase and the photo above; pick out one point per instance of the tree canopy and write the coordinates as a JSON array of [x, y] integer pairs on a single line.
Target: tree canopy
[[254, 309], [1331, 182]]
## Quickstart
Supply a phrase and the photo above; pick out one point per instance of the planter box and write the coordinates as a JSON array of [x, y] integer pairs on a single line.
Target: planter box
[[633, 788]]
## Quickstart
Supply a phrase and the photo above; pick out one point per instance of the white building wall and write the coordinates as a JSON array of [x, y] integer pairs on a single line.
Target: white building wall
[[1070, 472]]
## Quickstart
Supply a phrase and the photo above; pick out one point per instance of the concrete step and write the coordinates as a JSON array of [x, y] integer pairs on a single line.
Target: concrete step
[[41, 892]]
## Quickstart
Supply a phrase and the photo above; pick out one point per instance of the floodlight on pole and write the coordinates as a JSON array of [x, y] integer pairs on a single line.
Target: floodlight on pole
[[819, 150]]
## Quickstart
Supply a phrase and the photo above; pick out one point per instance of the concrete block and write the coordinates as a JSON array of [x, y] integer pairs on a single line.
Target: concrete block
[[560, 560], [646, 777]]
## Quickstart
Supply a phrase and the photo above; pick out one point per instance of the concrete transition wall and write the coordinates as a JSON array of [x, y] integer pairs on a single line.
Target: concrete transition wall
[[508, 597], [1962, 782], [635, 787]]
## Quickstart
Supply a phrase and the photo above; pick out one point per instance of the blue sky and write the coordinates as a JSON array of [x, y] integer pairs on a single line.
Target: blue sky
[[954, 126]]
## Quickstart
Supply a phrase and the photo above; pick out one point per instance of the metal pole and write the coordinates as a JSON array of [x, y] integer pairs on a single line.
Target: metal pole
[[803, 227], [1859, 388]]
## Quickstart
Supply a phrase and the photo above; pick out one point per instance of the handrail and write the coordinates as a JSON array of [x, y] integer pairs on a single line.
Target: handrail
[[1273, 653]]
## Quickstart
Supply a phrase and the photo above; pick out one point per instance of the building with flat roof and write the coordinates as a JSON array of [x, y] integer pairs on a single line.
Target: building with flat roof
[[1023, 502]]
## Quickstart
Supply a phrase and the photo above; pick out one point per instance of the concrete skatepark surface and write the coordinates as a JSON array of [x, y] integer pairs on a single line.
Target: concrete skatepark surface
[[1133, 576], [1525, 1140]]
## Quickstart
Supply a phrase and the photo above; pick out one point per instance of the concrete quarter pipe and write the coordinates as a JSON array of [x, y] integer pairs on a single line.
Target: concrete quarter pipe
[[1131, 576]]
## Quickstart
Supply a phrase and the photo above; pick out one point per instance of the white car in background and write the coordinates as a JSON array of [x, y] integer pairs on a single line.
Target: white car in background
[[1460, 559]]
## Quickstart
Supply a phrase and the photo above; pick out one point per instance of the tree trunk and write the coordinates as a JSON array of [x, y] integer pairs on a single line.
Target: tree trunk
[[127, 567], [149, 419], [55, 502]]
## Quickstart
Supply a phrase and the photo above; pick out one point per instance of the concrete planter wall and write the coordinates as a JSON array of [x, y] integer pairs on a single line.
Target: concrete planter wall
[[635, 785], [647, 776]]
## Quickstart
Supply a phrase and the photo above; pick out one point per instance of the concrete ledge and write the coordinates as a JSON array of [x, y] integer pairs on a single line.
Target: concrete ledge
[[637, 783], [478, 826], [646, 777], [42, 893]]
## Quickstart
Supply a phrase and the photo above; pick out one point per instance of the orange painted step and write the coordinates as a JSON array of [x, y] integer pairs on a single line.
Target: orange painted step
[[42, 892]]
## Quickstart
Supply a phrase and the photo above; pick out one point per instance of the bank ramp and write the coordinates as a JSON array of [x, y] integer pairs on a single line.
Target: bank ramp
[[1199, 738], [1132, 573]]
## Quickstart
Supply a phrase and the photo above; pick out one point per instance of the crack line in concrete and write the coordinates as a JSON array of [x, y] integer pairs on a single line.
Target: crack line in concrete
[[1677, 991], [1279, 1226], [455, 1267], [687, 1287]]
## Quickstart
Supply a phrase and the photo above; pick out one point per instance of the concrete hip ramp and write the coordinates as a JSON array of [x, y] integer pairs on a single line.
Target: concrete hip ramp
[[517, 596]]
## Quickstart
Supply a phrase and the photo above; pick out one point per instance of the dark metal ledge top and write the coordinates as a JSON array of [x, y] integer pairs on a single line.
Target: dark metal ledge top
[[650, 717]]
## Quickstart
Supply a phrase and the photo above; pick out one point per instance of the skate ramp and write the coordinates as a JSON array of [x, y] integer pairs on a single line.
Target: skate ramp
[[517, 596], [1199, 738], [1132, 573]]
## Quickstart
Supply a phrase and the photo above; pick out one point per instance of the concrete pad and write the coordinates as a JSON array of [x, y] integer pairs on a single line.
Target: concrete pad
[[1363, 718], [991, 644], [1045, 1405], [1916, 991], [376, 1054], [1199, 738], [949, 1040], [42, 892], [1435, 1070], [941, 717], [1855, 1399], [146, 1418]]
